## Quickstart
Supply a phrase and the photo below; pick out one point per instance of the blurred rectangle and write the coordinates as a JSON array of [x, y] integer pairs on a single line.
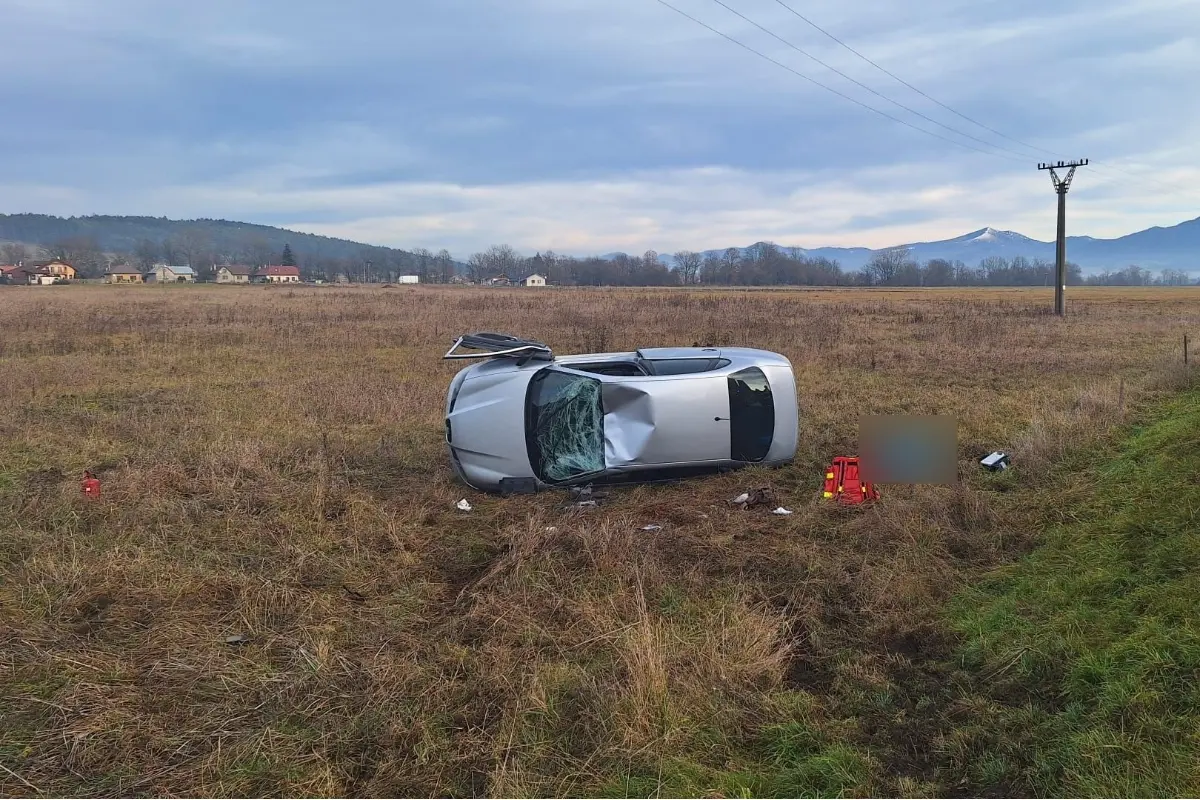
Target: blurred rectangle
[[908, 449]]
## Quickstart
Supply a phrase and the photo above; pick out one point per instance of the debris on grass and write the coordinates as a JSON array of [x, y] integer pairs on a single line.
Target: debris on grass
[[91, 485], [995, 461], [652, 527], [236, 639], [463, 505], [763, 495], [586, 493], [781, 511]]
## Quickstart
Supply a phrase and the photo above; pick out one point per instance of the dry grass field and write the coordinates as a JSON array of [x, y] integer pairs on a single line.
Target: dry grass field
[[273, 466]]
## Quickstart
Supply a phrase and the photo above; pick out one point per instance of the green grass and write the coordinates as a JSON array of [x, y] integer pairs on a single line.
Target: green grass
[[1086, 654]]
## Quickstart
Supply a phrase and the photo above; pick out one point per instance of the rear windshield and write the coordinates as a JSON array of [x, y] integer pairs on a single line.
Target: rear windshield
[[564, 425], [751, 415]]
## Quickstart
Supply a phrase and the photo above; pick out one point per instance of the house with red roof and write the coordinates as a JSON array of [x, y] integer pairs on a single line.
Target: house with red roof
[[277, 274], [35, 274]]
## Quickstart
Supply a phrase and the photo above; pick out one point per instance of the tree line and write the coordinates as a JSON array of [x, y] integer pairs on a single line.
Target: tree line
[[764, 264], [770, 265]]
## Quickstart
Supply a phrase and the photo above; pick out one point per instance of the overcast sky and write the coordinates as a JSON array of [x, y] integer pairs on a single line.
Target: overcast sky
[[589, 126]]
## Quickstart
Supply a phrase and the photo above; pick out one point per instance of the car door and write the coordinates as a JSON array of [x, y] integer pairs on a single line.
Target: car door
[[665, 420]]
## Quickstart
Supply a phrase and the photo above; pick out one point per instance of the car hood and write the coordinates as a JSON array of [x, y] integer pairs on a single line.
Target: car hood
[[486, 428]]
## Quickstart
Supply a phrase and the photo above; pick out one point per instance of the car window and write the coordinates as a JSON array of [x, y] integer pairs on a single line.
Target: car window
[[751, 415], [564, 425], [617, 368], [684, 366]]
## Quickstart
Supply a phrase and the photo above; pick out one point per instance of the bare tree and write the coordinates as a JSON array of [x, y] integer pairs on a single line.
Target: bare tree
[[256, 251], [13, 253], [423, 260], [687, 264], [194, 247], [83, 253], [146, 253], [938, 272], [729, 263], [886, 266], [551, 262], [444, 266], [499, 258]]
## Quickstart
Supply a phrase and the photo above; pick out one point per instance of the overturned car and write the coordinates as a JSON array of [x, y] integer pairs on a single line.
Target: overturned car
[[523, 419]]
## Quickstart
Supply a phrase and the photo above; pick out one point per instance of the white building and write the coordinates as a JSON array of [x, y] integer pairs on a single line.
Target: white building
[[535, 280], [409, 279], [165, 273]]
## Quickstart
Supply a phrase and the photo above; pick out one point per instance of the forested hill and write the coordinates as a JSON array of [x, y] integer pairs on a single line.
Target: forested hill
[[95, 239]]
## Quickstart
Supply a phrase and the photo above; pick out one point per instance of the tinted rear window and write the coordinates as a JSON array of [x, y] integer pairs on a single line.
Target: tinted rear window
[[564, 425], [751, 415]]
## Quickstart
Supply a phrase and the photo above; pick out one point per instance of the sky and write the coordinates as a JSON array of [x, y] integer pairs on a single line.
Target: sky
[[588, 126]]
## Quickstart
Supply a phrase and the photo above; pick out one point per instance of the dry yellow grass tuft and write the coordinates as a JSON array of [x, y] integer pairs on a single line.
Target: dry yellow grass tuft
[[273, 467]]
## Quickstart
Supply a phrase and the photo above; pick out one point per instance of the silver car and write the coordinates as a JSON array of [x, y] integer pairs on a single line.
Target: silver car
[[524, 419]]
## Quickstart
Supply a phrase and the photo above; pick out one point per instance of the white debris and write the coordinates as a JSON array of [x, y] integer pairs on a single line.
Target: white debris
[[741, 499], [551, 529], [463, 505], [781, 511], [652, 528], [996, 461]]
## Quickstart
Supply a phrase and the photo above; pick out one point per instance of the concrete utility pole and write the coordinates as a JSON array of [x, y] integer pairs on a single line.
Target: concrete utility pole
[[1061, 185]]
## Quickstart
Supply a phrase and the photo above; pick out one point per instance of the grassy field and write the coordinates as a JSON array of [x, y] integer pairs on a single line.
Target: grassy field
[[273, 467]]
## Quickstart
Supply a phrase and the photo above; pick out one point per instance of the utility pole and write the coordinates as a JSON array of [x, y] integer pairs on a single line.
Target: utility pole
[[1061, 185]]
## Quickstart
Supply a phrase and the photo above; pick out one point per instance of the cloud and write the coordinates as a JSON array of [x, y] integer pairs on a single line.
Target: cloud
[[590, 127]]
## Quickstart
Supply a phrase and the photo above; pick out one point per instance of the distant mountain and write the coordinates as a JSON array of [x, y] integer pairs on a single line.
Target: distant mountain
[[218, 237], [1176, 247]]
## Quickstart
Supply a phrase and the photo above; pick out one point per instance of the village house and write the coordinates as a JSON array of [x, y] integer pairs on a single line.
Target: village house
[[277, 274], [29, 276], [165, 273], [500, 280], [37, 273], [54, 268], [534, 280], [234, 273], [124, 274]]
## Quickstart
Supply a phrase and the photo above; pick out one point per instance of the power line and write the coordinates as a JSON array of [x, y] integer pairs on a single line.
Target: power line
[[1103, 164], [844, 96], [1170, 186], [862, 85], [909, 85]]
